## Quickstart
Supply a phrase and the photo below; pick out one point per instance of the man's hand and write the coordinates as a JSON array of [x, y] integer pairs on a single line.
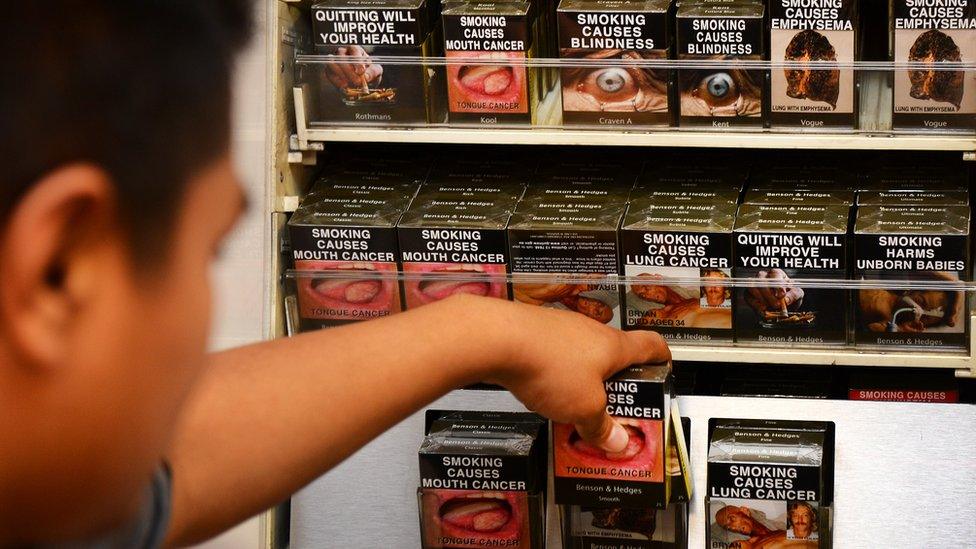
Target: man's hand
[[353, 75], [266, 419], [558, 361], [778, 297]]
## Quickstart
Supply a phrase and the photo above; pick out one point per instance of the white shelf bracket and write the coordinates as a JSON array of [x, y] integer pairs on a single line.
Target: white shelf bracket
[[301, 117]]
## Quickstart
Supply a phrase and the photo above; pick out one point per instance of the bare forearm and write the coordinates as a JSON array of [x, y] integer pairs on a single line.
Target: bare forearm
[[268, 418]]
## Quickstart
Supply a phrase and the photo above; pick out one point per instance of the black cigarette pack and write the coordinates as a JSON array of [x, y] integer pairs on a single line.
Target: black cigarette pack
[[721, 97], [351, 87], [610, 181], [490, 84], [769, 481], [913, 198], [804, 178], [780, 243], [915, 245], [802, 197], [676, 247], [915, 179], [586, 527], [348, 231], [578, 190], [472, 189], [454, 245], [482, 480], [615, 31], [824, 32], [478, 173], [686, 176], [640, 399], [724, 197], [368, 177], [777, 381], [940, 31], [578, 241]]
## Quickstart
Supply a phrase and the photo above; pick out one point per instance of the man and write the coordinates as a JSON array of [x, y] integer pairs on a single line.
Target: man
[[117, 191], [802, 521], [740, 520], [715, 295]]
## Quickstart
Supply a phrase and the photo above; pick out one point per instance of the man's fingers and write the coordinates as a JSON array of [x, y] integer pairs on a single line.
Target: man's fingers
[[641, 347], [349, 72], [337, 81], [373, 72], [604, 433]]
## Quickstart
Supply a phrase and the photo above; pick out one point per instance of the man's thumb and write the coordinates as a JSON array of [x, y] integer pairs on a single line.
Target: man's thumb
[[604, 433]]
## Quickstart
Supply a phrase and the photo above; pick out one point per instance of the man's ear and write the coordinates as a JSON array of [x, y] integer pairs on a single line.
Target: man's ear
[[52, 252]]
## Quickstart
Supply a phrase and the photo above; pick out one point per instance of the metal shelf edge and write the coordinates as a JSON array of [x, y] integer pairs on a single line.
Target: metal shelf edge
[[644, 139], [830, 357]]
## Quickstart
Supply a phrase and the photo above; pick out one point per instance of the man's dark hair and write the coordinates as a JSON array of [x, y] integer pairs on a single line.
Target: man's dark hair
[[140, 88]]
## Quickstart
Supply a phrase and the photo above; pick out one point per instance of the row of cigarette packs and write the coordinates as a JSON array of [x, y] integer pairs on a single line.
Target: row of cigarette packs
[[483, 478], [679, 235], [483, 475], [491, 85]]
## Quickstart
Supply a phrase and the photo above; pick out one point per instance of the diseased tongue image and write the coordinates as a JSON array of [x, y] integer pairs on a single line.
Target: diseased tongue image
[[347, 290], [490, 88], [355, 291], [439, 289], [487, 80], [638, 461], [447, 279], [477, 514], [472, 519], [634, 446]]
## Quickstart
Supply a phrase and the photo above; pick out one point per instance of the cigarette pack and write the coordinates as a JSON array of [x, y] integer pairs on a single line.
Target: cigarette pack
[[482, 480], [906, 246], [780, 243], [770, 482], [616, 32], [640, 399], [455, 245], [490, 84], [354, 86], [677, 247], [937, 31], [823, 32], [721, 96], [576, 240], [346, 235]]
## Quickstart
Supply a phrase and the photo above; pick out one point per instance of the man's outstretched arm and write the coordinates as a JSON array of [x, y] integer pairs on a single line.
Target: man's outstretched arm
[[266, 419]]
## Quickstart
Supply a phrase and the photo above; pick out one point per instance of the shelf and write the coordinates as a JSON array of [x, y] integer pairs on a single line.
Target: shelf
[[725, 352], [676, 138], [874, 127], [825, 357]]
